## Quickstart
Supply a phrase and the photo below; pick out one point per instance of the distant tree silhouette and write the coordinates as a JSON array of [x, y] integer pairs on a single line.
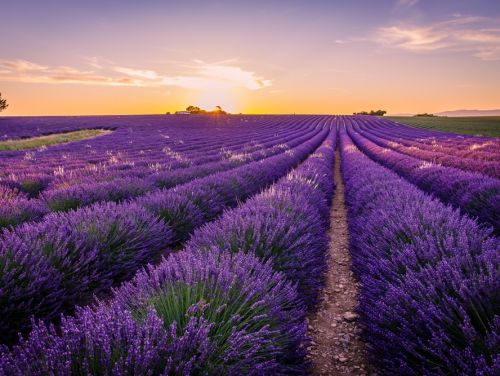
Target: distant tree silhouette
[[3, 103], [196, 110], [425, 114], [372, 113], [219, 111]]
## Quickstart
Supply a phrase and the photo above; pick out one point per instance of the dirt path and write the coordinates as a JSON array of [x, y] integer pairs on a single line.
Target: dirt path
[[336, 348]]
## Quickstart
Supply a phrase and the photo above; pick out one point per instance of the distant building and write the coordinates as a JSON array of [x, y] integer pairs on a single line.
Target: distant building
[[182, 112]]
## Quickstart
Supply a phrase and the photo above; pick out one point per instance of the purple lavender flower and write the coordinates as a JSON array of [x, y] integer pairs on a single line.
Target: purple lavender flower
[[429, 276], [206, 313], [48, 267]]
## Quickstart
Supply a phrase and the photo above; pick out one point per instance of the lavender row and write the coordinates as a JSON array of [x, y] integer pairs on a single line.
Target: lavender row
[[49, 267], [207, 310], [156, 154], [23, 127], [157, 147], [429, 276], [32, 184], [474, 148], [465, 146], [210, 313], [18, 208], [287, 224], [474, 194], [171, 157], [141, 146], [227, 159], [485, 167]]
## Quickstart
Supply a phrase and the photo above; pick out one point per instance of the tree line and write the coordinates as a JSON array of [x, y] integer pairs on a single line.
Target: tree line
[[372, 113], [196, 110]]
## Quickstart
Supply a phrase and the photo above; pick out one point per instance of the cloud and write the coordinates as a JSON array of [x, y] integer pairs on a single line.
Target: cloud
[[200, 75], [203, 76], [234, 76], [26, 71], [475, 35], [147, 75], [412, 38], [22, 65], [352, 40]]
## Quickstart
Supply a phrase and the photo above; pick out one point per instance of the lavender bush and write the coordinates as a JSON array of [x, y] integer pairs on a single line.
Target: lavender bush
[[79, 272], [92, 171], [48, 267], [470, 154], [286, 224], [196, 313], [475, 194], [429, 276]]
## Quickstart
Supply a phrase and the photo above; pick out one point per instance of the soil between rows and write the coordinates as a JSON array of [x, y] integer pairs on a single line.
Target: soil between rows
[[336, 348]]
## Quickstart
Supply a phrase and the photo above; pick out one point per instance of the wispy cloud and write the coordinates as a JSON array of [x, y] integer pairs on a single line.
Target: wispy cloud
[[199, 75], [27, 71], [475, 35], [350, 40]]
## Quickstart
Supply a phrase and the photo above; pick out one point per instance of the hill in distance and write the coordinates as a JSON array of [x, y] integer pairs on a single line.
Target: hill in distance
[[457, 113]]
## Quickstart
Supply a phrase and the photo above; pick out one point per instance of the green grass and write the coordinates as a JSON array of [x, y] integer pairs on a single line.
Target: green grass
[[478, 125], [51, 139]]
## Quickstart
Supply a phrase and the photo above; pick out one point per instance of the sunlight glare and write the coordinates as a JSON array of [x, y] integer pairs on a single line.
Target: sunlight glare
[[225, 99]]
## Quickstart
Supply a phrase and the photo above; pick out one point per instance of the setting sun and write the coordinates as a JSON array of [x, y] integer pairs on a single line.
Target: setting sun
[[225, 99]]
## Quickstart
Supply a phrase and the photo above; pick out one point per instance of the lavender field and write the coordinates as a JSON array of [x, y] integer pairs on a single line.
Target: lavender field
[[201, 245]]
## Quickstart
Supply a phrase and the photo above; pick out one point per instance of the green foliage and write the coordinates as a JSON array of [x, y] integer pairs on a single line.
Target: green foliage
[[52, 139], [63, 204], [475, 125], [227, 311], [32, 187]]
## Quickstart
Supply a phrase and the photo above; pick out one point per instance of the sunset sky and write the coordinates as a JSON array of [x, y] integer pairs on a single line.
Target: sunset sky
[[132, 57]]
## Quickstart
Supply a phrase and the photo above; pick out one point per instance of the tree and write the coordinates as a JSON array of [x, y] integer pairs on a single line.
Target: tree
[[193, 109], [3, 103], [372, 113], [219, 110], [425, 115], [196, 110], [378, 113]]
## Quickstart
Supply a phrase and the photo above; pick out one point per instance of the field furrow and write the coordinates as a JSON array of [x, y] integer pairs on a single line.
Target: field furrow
[[474, 194]]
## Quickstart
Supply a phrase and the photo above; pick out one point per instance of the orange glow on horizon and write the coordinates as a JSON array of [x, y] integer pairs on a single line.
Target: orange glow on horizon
[[326, 57], [209, 100]]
